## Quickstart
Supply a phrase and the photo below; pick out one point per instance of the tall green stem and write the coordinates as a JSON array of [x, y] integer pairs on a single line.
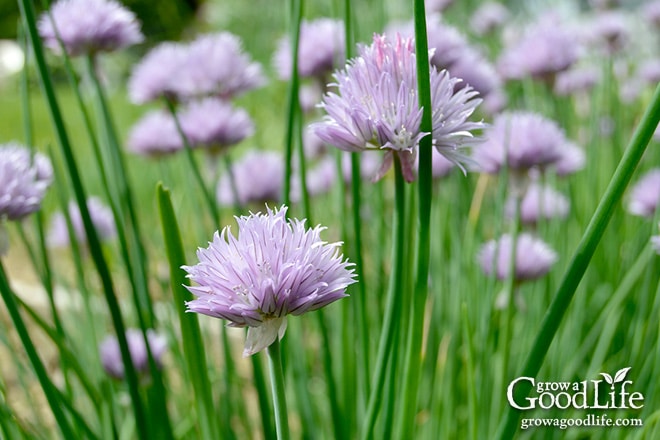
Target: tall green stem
[[393, 303], [582, 257], [277, 385], [413, 360]]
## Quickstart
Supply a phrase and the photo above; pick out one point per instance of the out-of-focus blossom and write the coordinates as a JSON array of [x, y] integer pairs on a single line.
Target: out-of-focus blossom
[[273, 267], [545, 49], [258, 178], [432, 6], [321, 48], [539, 202], [24, 179], [211, 65], [155, 135], [377, 107], [476, 72], [609, 28], [320, 179], [533, 258], [645, 195], [655, 242], [309, 96], [489, 17], [214, 124], [156, 75], [651, 12], [520, 141], [111, 354], [649, 71], [572, 159], [217, 66], [102, 219], [577, 80], [313, 146], [89, 26]]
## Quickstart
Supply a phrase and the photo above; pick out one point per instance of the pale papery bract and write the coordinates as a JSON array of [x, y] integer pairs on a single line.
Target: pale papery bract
[[89, 26], [644, 196], [534, 258], [272, 268], [24, 179]]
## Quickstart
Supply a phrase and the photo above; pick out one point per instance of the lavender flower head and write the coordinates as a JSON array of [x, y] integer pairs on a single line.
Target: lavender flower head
[[519, 141], [215, 124], [217, 66], [377, 107], [320, 50], [488, 17], [651, 12], [89, 26], [102, 219], [156, 75], [539, 202], [155, 135], [543, 51], [273, 267], [24, 179], [576, 80], [534, 258], [111, 354], [257, 176], [645, 195]]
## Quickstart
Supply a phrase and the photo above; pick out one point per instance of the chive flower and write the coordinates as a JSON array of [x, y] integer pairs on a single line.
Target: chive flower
[[155, 135], [86, 27], [24, 179], [274, 267], [534, 257], [645, 195], [539, 202], [376, 107], [255, 178], [101, 216], [111, 354], [321, 48]]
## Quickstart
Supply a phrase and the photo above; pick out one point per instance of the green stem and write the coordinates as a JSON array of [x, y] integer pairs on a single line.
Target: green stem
[[582, 256], [279, 396], [293, 107], [413, 359], [393, 304]]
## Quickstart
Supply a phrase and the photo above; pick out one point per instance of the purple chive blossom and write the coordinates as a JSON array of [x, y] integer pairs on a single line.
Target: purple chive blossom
[[156, 75], [544, 50], [102, 219], [576, 80], [377, 107], [89, 26], [572, 159], [258, 179], [651, 13], [217, 66], [215, 124], [534, 258], [609, 28], [489, 17], [155, 135], [645, 195], [111, 354], [319, 179], [320, 50], [520, 141], [273, 267], [649, 71], [539, 202], [24, 178]]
